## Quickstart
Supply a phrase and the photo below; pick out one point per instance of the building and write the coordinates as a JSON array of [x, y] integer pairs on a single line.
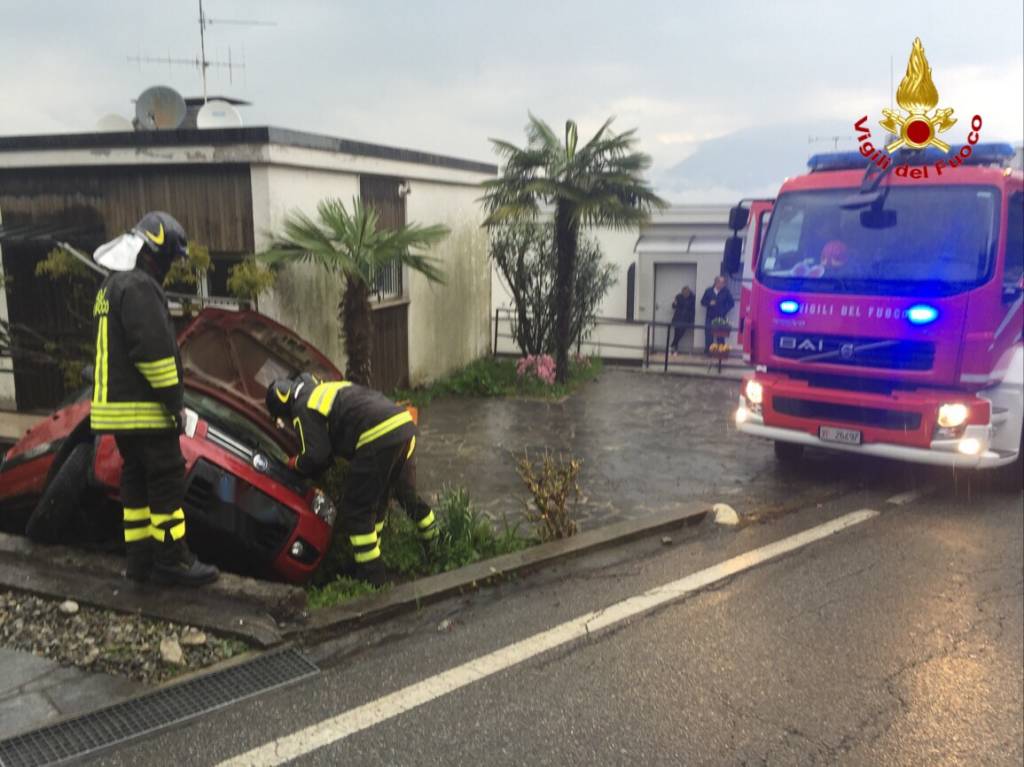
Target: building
[[230, 188], [681, 245]]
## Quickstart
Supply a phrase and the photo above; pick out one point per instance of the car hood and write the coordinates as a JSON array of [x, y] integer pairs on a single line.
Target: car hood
[[234, 356]]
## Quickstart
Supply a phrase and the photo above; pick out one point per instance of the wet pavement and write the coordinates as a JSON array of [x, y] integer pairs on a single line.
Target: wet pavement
[[647, 441]]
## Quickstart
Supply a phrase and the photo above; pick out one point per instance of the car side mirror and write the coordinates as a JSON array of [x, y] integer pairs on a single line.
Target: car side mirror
[[732, 254], [88, 375], [738, 217]]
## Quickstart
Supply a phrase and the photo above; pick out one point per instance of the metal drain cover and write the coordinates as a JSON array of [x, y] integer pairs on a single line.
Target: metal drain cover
[[112, 726]]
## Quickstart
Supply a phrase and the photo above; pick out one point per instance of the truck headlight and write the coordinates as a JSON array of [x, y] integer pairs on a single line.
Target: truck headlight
[[324, 508], [952, 415], [754, 392]]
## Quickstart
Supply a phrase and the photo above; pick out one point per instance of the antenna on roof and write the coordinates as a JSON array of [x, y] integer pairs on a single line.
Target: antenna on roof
[[200, 62]]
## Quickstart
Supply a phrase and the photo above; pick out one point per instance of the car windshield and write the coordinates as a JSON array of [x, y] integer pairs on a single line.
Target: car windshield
[[234, 424], [919, 241]]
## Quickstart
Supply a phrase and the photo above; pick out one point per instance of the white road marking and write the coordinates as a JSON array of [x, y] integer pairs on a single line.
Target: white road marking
[[904, 498], [355, 720]]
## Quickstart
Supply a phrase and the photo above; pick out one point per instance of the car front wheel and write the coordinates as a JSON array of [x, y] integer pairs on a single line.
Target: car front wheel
[[54, 516]]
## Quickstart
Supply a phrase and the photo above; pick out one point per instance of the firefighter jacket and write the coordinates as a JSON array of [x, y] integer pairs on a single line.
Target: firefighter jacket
[[339, 418], [138, 378]]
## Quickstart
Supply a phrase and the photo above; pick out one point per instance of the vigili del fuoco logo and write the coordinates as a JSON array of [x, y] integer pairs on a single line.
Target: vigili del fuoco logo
[[917, 124]]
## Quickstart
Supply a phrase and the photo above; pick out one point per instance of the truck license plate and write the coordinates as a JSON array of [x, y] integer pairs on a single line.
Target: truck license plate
[[842, 436]]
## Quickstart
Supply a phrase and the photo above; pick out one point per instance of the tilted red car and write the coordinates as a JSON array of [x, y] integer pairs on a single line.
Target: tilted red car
[[246, 510]]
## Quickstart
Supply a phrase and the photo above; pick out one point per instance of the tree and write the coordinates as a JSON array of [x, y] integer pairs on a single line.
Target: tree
[[598, 184], [524, 254], [350, 246]]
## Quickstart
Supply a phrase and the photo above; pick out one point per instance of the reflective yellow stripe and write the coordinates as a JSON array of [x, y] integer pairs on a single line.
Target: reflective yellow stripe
[[162, 380], [133, 534], [385, 427], [429, 535], [367, 556], [130, 415], [412, 447], [379, 527], [302, 437], [363, 540], [427, 521], [177, 532], [136, 515], [157, 366], [160, 519], [323, 396], [100, 373]]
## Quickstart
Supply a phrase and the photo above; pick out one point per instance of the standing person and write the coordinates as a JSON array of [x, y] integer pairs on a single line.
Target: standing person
[[377, 438], [138, 397], [684, 311], [719, 302]]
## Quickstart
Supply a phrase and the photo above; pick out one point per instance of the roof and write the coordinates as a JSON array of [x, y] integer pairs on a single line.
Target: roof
[[234, 136]]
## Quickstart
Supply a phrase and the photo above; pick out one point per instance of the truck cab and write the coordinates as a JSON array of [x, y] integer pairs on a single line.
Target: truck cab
[[886, 309]]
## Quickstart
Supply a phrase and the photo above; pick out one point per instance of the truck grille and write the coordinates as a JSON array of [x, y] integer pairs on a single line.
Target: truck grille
[[860, 352], [897, 420]]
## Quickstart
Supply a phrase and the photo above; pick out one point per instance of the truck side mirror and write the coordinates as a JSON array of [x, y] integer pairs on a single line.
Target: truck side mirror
[[738, 218], [731, 256]]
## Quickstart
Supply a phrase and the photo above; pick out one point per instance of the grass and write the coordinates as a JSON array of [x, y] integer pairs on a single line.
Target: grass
[[496, 377], [465, 536]]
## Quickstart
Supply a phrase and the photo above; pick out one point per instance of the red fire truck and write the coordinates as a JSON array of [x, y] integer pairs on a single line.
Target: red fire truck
[[882, 312]]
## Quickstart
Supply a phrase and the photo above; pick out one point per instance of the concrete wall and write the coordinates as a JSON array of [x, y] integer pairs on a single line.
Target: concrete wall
[[305, 297], [449, 324]]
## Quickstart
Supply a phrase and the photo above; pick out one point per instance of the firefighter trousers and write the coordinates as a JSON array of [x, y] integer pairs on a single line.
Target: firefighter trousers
[[372, 481], [152, 486]]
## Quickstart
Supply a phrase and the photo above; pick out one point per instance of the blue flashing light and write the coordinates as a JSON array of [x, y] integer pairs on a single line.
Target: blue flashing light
[[990, 153], [922, 314], [789, 306]]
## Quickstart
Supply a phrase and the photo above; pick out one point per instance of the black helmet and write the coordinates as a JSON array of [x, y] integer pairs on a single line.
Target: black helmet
[[279, 398], [163, 235]]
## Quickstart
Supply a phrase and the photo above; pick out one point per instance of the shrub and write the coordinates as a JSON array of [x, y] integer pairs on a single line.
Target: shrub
[[542, 366], [554, 484]]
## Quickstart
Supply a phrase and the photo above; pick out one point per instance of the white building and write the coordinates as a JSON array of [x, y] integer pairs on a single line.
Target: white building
[[230, 188]]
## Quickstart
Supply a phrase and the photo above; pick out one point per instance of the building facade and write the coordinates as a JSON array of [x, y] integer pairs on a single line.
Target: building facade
[[231, 188]]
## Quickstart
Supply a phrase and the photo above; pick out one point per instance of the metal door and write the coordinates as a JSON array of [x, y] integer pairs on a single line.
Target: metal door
[[669, 279]]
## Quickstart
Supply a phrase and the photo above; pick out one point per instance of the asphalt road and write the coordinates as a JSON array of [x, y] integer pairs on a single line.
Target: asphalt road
[[899, 640]]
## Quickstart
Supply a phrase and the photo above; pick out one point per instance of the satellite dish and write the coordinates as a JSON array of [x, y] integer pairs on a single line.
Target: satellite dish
[[159, 108], [218, 114], [113, 124]]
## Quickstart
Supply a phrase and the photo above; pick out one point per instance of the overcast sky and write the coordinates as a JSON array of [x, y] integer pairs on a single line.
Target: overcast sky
[[444, 75]]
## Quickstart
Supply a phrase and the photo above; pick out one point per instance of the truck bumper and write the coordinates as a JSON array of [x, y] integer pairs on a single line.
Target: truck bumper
[[941, 453]]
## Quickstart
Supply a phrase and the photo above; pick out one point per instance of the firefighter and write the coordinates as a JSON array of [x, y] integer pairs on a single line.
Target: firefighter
[[377, 438], [138, 397]]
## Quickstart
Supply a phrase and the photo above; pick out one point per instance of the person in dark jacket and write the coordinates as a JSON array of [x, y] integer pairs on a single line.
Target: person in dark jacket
[[139, 398], [719, 302], [376, 437], [684, 310]]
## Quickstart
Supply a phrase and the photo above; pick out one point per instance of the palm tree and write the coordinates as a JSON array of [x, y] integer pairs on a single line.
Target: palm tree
[[351, 246], [598, 184]]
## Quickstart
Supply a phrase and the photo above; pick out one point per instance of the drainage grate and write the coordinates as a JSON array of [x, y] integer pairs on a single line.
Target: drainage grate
[[112, 726]]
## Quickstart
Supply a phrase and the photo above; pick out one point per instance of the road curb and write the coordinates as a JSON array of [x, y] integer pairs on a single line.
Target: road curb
[[406, 597]]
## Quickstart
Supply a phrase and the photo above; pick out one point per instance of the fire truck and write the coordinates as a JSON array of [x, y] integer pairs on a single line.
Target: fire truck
[[882, 309]]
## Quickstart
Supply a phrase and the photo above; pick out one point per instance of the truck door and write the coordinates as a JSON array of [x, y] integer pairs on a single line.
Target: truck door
[[760, 213]]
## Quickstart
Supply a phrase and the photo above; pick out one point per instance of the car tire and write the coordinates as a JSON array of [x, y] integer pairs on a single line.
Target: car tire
[[788, 453], [54, 516]]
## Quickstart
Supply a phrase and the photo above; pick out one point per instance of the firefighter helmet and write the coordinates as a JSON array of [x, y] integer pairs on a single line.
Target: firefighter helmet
[[164, 237], [279, 398]]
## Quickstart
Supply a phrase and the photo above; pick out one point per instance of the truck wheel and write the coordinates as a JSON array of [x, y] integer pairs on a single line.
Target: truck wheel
[[54, 515], [788, 453]]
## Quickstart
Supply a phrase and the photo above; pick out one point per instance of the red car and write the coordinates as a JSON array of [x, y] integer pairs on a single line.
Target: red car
[[246, 510]]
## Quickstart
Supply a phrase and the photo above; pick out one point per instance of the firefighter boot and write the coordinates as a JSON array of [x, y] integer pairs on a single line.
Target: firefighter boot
[[371, 572], [175, 565], [138, 560]]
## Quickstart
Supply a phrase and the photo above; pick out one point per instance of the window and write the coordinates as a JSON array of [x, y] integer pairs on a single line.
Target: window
[[1014, 269]]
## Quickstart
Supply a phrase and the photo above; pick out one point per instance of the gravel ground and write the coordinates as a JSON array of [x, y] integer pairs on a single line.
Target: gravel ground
[[142, 649]]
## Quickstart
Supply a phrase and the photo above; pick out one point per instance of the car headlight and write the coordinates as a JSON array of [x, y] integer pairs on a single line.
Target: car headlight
[[324, 508], [952, 415], [754, 392]]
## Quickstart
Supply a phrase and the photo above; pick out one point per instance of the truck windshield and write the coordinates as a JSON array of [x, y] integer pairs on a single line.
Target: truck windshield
[[935, 240]]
